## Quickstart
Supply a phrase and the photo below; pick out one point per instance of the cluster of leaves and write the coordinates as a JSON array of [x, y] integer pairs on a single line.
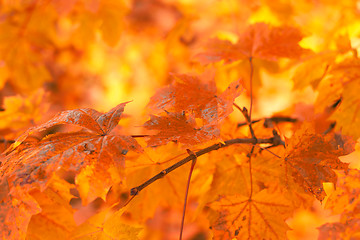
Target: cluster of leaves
[[81, 176]]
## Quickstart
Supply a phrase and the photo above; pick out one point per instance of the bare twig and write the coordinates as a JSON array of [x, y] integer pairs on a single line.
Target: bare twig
[[6, 141], [187, 190], [140, 136], [268, 121], [244, 111], [272, 140], [251, 86], [330, 128]]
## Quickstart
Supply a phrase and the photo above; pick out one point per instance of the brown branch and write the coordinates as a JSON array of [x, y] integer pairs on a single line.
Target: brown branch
[[269, 121], [330, 128], [244, 111], [140, 136], [273, 140], [6, 141], [251, 86], [191, 153]]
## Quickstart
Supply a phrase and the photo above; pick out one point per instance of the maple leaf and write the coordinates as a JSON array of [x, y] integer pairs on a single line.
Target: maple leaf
[[177, 127], [347, 230], [197, 94], [261, 216], [232, 175], [342, 85], [20, 111], [345, 82], [344, 201], [103, 226], [95, 155], [56, 220], [16, 210], [311, 161], [306, 74], [258, 41]]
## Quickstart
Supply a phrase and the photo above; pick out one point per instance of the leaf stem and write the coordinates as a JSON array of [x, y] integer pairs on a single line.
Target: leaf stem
[[268, 122], [251, 86], [250, 172], [273, 140], [140, 136], [244, 111], [187, 191]]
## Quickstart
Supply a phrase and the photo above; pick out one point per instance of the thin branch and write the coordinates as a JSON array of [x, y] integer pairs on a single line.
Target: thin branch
[[140, 136], [251, 86], [244, 111], [272, 140], [6, 141], [245, 123], [250, 171], [118, 206], [187, 190], [268, 121], [330, 128], [267, 149]]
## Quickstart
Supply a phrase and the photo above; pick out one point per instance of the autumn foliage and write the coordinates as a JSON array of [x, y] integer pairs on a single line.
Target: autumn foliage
[[249, 108]]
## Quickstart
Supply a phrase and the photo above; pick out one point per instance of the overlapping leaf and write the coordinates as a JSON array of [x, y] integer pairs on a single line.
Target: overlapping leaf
[[311, 161], [344, 201], [56, 220], [232, 173], [96, 156], [101, 124], [190, 97], [342, 84], [21, 111], [261, 216], [15, 211], [198, 95], [258, 41], [337, 230], [177, 127], [105, 226], [345, 198]]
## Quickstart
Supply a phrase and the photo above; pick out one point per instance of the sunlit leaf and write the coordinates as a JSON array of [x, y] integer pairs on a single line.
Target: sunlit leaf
[[258, 41], [197, 95], [260, 216], [177, 127], [96, 156], [311, 161]]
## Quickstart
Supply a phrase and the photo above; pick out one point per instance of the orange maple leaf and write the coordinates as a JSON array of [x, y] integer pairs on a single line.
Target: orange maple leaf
[[197, 94], [311, 161], [258, 41], [177, 127], [336, 230], [95, 155], [261, 216], [15, 211], [344, 201], [101, 226]]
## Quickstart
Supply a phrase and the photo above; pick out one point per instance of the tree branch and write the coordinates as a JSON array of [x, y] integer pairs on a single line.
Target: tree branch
[[269, 121], [275, 140]]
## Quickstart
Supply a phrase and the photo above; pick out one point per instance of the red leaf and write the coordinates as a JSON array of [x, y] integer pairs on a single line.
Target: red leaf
[[177, 127], [96, 157], [258, 41], [86, 118], [197, 94], [311, 161]]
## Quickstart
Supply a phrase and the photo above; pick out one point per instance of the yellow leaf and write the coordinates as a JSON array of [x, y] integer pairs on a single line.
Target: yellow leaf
[[112, 14]]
